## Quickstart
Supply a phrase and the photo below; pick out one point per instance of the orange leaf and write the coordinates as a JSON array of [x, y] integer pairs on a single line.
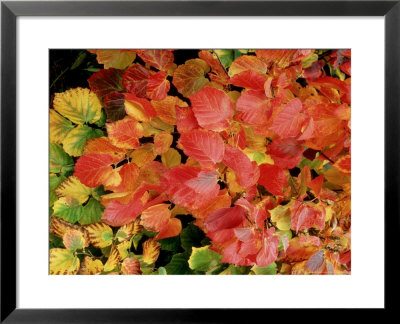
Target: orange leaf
[[159, 58], [125, 133], [139, 108], [162, 142]]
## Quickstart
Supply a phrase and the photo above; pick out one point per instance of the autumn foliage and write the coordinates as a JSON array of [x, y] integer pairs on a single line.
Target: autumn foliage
[[223, 162]]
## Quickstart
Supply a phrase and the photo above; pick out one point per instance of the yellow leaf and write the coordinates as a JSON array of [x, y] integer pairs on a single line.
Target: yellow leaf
[[78, 105], [127, 231], [143, 155], [114, 58], [59, 127], [112, 260], [281, 216], [73, 188], [75, 141], [90, 266], [171, 158], [151, 250], [59, 227], [123, 249], [63, 262], [100, 234]]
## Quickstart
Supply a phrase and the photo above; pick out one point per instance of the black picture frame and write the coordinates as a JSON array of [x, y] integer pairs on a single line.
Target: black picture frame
[[11, 10]]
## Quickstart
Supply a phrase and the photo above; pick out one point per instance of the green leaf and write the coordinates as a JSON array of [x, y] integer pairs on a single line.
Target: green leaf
[[54, 182], [170, 243], [309, 60], [136, 239], [234, 270], [191, 236], [98, 192], [226, 57], [102, 120], [59, 160], [79, 60], [203, 259], [179, 264], [268, 270], [91, 212], [68, 209], [284, 237], [75, 141], [162, 271]]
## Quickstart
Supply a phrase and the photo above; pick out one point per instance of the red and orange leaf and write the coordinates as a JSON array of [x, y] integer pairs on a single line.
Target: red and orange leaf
[[158, 86], [156, 217], [344, 164], [166, 108], [205, 146], [289, 121], [190, 187], [255, 107], [129, 173], [218, 74], [302, 248], [245, 62], [286, 152], [305, 216], [241, 164], [135, 80], [139, 108], [212, 108], [125, 133], [249, 79], [162, 142], [106, 81], [95, 169], [273, 178], [159, 58]]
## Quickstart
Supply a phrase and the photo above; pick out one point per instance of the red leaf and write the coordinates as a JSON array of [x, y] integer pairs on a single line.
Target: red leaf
[[289, 121], [273, 178], [249, 79], [346, 68], [269, 249], [224, 218], [190, 187], [344, 164], [221, 236], [135, 80], [159, 58], [117, 214], [95, 169], [106, 81], [316, 184], [204, 146], [305, 216], [185, 119], [241, 164], [212, 108], [158, 86], [286, 153], [255, 107]]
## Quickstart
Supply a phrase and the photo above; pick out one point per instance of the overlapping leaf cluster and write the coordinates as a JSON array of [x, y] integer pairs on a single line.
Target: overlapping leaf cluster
[[233, 162]]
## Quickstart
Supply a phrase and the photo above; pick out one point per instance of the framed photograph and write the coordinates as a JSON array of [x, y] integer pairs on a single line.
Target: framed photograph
[[184, 161]]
